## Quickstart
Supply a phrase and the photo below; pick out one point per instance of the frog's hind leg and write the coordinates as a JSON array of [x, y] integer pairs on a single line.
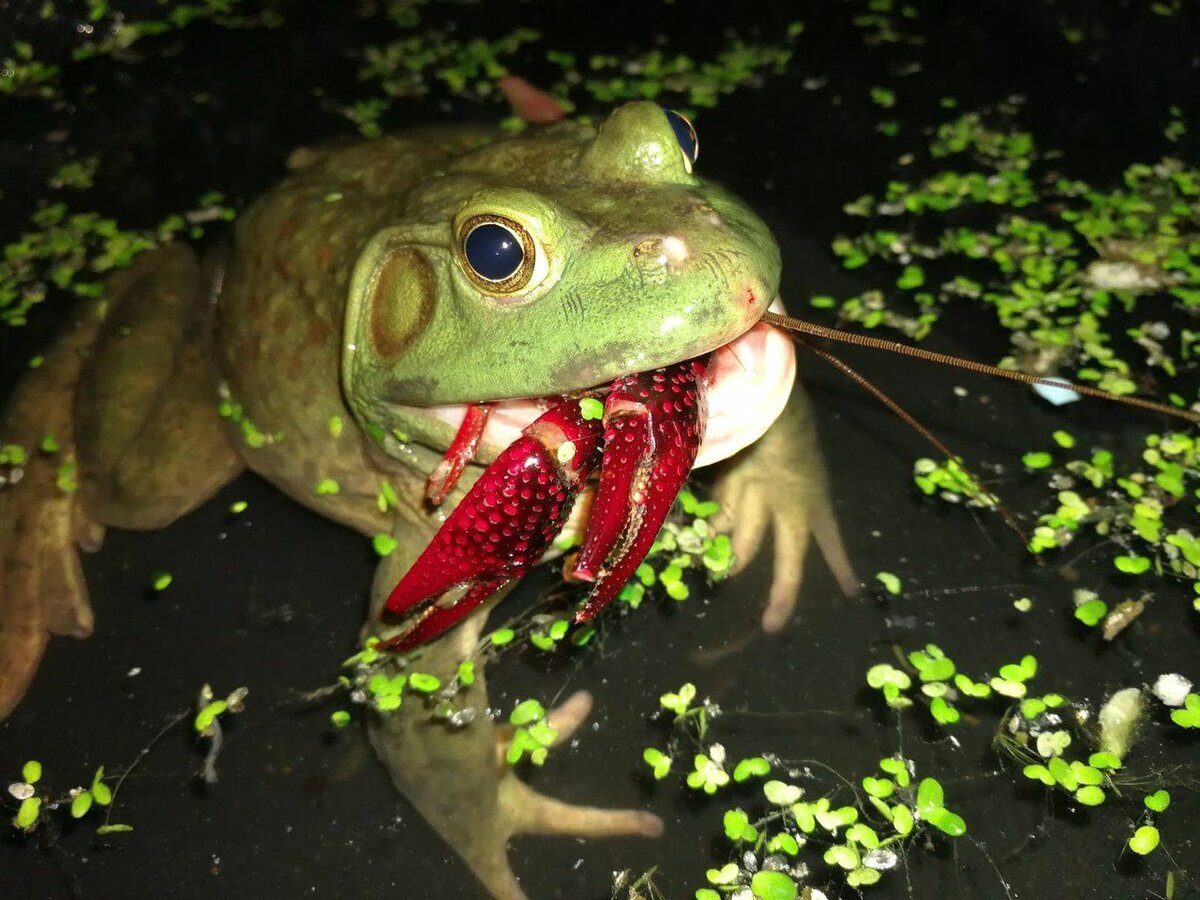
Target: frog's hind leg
[[117, 427], [151, 444], [41, 583]]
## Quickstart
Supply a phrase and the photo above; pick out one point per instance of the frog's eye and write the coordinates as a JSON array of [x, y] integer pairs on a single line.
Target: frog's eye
[[686, 135], [497, 253]]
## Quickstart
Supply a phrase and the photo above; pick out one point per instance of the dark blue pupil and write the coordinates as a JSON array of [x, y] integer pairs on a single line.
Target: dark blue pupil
[[494, 252], [683, 133]]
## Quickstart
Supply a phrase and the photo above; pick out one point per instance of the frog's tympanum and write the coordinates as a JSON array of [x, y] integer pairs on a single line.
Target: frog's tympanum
[[569, 300]]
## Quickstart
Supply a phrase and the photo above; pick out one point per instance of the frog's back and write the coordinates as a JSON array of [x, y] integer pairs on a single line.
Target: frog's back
[[301, 238], [279, 319]]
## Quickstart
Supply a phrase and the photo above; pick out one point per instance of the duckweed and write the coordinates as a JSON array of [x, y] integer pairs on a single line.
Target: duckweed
[[857, 842]]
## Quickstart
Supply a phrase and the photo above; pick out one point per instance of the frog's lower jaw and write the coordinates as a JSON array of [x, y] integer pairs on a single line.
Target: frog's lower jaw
[[749, 385]]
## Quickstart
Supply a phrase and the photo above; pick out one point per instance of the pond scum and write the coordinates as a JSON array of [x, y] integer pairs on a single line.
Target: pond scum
[[1078, 275]]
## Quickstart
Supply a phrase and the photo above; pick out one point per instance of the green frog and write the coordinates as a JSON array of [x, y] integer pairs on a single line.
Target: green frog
[[366, 303]]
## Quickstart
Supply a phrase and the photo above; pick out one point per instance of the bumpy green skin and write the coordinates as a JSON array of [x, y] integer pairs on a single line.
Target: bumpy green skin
[[599, 203]]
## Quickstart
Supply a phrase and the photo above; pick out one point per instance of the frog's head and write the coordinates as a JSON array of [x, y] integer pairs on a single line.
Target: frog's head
[[553, 262]]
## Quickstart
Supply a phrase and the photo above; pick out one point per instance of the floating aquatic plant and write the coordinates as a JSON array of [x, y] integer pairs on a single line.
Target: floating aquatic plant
[[857, 841]]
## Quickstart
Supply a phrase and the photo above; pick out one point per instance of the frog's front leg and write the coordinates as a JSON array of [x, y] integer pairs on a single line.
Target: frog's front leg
[[457, 777], [778, 485]]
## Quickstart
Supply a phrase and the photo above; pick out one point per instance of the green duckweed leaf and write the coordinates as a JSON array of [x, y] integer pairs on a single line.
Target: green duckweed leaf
[[1158, 801], [80, 804], [1144, 840], [770, 885]]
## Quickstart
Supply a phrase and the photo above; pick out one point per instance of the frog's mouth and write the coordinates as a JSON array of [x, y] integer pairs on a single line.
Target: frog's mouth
[[642, 441], [748, 385]]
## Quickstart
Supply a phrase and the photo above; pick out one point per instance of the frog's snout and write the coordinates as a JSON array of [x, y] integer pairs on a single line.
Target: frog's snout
[[726, 279]]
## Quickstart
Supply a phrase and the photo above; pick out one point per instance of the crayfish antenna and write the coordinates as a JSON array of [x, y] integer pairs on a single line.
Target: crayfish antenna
[[800, 327], [906, 417]]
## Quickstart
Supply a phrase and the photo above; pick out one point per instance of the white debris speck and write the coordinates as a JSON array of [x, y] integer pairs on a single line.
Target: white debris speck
[[134, 672], [880, 860], [1119, 719], [1059, 396], [1172, 689], [1119, 276]]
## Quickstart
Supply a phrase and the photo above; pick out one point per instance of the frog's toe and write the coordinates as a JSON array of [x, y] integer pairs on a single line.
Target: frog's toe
[[89, 534], [42, 590], [747, 524], [63, 589], [747, 515], [567, 718], [564, 719], [529, 812], [791, 542], [530, 103]]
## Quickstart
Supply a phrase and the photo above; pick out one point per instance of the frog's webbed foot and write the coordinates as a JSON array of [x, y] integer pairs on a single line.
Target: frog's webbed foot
[[458, 778], [460, 782], [777, 486]]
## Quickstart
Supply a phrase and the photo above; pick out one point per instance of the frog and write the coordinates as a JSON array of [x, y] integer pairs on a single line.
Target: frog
[[336, 347]]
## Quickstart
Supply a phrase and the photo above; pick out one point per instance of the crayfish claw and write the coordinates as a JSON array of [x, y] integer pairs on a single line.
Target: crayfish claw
[[654, 424], [435, 618], [503, 525]]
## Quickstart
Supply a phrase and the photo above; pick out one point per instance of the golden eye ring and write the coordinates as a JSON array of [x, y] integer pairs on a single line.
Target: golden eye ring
[[496, 253]]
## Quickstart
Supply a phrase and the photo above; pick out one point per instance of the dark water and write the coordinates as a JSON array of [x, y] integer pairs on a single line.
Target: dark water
[[273, 599]]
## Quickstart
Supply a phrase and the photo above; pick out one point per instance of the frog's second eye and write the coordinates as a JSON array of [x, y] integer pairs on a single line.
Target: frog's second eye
[[686, 135], [497, 253]]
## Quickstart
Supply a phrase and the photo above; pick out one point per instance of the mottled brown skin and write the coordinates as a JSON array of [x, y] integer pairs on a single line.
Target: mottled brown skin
[[280, 321], [131, 390]]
